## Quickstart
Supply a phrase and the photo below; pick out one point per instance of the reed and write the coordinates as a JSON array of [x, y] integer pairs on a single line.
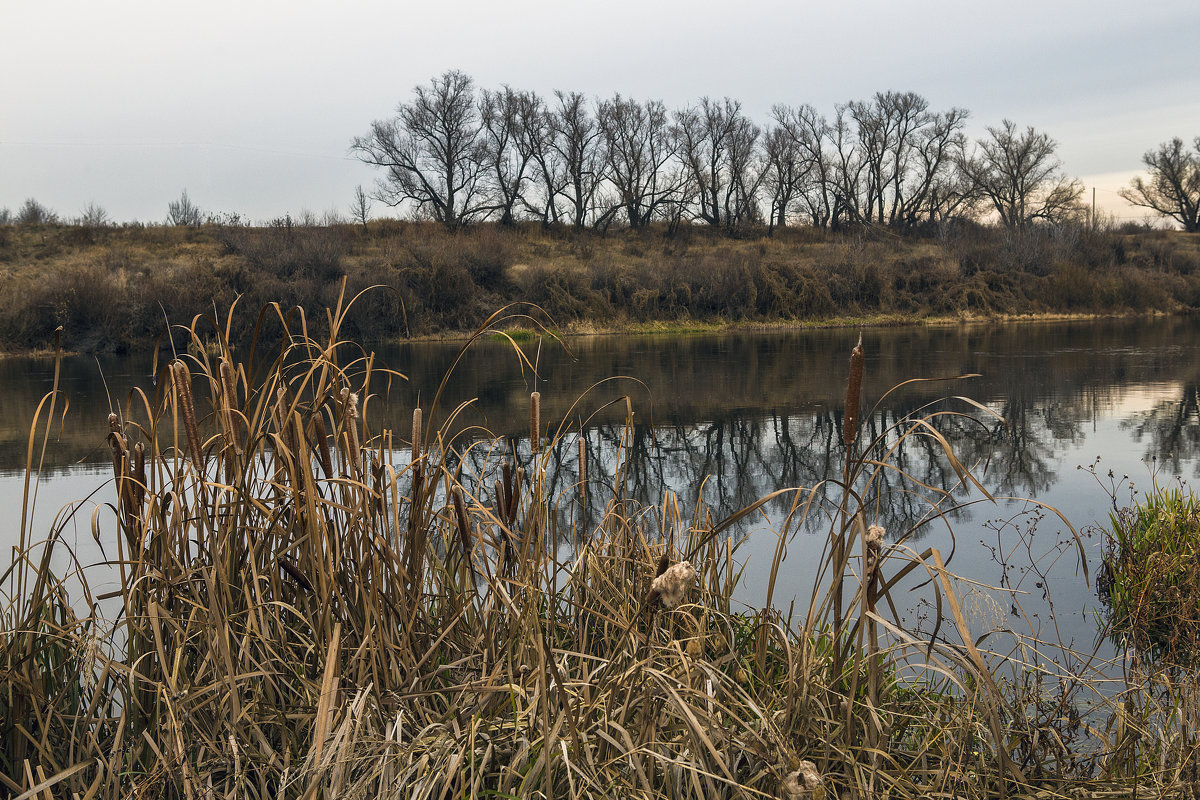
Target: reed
[[404, 628]]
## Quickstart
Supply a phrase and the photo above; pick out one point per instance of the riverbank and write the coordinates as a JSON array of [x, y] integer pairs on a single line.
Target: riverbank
[[113, 289]]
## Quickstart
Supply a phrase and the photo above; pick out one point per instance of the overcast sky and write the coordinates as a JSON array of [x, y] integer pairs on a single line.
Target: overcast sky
[[251, 105]]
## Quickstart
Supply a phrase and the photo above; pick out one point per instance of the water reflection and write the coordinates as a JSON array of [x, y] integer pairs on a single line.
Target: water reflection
[[730, 418]]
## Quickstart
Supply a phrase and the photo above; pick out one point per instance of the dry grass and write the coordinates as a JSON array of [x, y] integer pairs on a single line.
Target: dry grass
[[110, 288], [309, 607]]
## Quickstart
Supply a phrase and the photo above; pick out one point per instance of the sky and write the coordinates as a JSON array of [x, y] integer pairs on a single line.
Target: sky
[[251, 105]]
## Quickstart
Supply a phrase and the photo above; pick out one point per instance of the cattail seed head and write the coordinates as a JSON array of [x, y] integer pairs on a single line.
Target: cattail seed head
[[804, 783], [182, 379], [229, 404], [535, 422], [582, 468], [321, 435], [460, 514], [873, 540], [416, 435], [853, 393], [672, 585]]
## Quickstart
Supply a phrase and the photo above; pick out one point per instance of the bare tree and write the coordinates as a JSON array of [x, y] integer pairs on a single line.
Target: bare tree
[[32, 212], [548, 171], [360, 207], [183, 211], [577, 143], [431, 151], [1174, 186], [506, 116], [1019, 174], [94, 216], [717, 144], [638, 144], [815, 187], [896, 159]]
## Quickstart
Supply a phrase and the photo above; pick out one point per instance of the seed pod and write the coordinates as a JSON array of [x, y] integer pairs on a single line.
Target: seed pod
[[182, 379], [416, 435], [322, 440], [229, 404], [535, 422], [460, 514], [501, 501], [853, 392], [506, 470], [352, 451]]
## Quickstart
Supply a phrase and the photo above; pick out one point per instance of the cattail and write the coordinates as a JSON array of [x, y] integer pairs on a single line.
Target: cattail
[[460, 514], [280, 412], [873, 541], [669, 588], [139, 475], [582, 468], [183, 391], [294, 572], [804, 783], [228, 404], [507, 473], [501, 502], [416, 435], [535, 422], [120, 456], [514, 503], [119, 449], [349, 419], [853, 390], [322, 437]]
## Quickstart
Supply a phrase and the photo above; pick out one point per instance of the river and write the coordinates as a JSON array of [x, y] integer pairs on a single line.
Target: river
[[731, 417]]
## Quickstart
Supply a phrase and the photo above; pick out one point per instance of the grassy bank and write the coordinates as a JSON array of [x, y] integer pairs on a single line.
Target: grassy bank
[[110, 288], [306, 607]]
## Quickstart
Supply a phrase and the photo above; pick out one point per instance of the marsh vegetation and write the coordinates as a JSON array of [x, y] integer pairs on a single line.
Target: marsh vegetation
[[309, 605]]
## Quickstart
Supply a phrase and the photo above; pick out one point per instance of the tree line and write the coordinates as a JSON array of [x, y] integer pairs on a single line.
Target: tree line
[[458, 154]]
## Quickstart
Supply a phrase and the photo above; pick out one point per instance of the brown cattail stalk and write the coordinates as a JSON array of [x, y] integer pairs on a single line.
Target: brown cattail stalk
[[352, 430], [183, 391], [582, 468], [501, 502], [507, 473], [119, 448], [416, 436], [460, 514], [139, 476], [120, 456], [322, 436], [535, 422], [349, 439], [229, 405], [853, 392], [514, 503]]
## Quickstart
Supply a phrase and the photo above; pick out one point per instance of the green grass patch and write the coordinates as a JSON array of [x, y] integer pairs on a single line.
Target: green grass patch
[[1151, 574]]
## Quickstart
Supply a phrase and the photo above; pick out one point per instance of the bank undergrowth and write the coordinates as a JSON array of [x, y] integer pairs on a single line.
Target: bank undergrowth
[[306, 606], [110, 288]]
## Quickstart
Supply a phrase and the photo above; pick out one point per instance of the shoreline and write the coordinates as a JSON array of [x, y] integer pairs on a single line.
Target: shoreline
[[872, 322], [584, 329]]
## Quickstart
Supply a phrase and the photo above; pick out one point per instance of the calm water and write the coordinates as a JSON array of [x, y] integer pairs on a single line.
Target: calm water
[[733, 417]]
